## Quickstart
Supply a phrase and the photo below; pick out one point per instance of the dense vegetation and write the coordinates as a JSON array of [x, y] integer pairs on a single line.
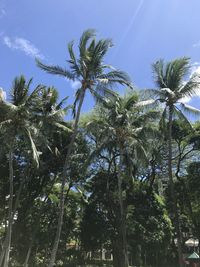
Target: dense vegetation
[[122, 179]]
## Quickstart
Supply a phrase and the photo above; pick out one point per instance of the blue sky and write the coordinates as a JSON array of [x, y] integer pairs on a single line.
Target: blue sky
[[142, 31]]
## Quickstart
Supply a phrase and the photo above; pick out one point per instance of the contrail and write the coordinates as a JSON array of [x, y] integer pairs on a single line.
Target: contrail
[[130, 25]]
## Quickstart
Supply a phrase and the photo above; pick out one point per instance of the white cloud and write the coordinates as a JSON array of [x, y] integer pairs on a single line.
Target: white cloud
[[195, 68], [75, 84], [197, 44], [2, 94], [23, 45], [185, 99]]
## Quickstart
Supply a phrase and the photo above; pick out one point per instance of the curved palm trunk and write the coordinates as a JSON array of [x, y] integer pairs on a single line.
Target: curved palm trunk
[[122, 213], [10, 215], [172, 190], [64, 174]]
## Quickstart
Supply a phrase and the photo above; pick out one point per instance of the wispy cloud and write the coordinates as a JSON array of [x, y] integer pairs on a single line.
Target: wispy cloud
[[129, 26], [22, 45], [197, 44], [2, 12]]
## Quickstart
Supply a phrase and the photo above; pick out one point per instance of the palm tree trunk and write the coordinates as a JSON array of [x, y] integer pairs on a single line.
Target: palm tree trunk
[[11, 222], [3, 250], [35, 230], [172, 190], [122, 214], [10, 215], [64, 175], [28, 254]]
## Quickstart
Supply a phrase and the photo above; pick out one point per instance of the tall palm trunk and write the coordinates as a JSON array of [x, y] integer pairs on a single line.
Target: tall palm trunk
[[122, 213], [10, 212], [16, 204], [36, 226], [64, 174], [172, 190]]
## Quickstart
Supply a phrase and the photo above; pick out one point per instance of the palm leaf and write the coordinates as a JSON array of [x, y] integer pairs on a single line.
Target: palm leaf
[[158, 69], [171, 74], [33, 148], [34, 95], [146, 103], [56, 70], [20, 90], [61, 103], [114, 77], [73, 63], [62, 127], [182, 117], [86, 36], [131, 101], [190, 110], [192, 87]]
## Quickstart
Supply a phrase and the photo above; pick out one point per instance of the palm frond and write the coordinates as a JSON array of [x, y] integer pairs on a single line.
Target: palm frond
[[98, 97], [20, 90], [73, 62], [34, 150], [9, 107], [158, 72], [61, 103], [191, 88], [114, 77], [155, 93], [34, 95], [62, 127], [85, 37], [55, 70], [131, 101], [190, 110], [56, 114], [182, 117], [179, 68], [98, 53], [171, 74], [104, 91], [146, 103]]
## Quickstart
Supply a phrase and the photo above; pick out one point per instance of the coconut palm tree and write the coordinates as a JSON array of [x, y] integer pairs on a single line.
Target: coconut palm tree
[[94, 76], [124, 126], [50, 120], [15, 123], [172, 89]]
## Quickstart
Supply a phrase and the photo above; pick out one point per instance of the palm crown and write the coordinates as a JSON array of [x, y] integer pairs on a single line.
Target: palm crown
[[89, 68], [170, 77], [16, 116]]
